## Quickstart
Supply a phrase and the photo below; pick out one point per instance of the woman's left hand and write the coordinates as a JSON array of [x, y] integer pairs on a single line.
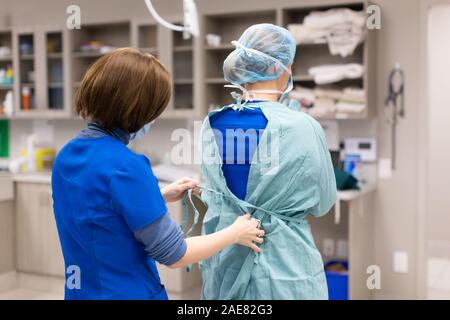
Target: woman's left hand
[[175, 191]]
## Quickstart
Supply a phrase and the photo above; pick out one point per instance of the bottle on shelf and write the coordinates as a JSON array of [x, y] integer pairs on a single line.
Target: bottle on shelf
[[26, 98]]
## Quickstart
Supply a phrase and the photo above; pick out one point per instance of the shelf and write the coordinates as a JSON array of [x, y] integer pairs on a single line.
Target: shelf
[[27, 84], [216, 81], [6, 86], [27, 57], [48, 114], [80, 54], [183, 81], [312, 44], [56, 85], [56, 55], [303, 77], [225, 46], [153, 51], [229, 26], [182, 48], [341, 118], [6, 59]]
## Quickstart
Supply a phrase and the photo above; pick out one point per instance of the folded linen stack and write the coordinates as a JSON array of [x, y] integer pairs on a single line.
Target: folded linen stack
[[351, 102], [326, 103], [326, 74], [343, 29]]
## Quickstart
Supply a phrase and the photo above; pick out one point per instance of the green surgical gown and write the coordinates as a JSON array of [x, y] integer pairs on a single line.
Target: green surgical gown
[[291, 176]]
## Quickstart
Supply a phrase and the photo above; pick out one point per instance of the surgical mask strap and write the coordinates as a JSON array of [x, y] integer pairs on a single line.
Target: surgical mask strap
[[238, 97]]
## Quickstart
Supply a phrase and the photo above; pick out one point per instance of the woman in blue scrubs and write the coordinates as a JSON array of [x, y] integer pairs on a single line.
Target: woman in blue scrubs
[[111, 215]]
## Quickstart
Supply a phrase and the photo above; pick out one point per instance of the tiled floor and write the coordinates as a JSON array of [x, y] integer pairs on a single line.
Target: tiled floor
[[27, 294], [438, 286], [34, 287], [193, 294]]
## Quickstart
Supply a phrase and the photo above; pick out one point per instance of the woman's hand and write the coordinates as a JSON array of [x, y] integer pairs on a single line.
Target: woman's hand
[[247, 232], [243, 231], [175, 191]]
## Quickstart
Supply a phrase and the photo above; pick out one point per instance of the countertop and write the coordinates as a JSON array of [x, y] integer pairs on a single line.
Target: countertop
[[351, 195], [7, 182], [45, 177]]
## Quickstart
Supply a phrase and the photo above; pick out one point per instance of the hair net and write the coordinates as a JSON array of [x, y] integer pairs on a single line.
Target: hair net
[[262, 53]]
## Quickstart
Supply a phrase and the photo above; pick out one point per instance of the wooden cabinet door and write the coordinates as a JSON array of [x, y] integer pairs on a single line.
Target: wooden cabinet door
[[53, 263], [38, 246], [29, 226]]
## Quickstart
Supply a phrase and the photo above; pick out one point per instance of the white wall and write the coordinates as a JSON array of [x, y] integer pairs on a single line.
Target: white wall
[[396, 204], [438, 200]]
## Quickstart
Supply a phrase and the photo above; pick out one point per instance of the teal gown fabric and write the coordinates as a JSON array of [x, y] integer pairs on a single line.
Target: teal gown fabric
[[291, 177]]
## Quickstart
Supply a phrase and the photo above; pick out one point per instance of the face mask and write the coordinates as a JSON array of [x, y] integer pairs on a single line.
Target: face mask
[[141, 132]]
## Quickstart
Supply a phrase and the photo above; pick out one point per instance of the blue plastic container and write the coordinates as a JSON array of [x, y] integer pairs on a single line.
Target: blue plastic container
[[337, 282]]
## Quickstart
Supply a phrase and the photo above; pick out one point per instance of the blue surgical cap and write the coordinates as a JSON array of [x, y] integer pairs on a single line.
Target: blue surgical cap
[[262, 53]]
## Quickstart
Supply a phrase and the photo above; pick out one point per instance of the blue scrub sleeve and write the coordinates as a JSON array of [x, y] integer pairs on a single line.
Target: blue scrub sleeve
[[135, 193], [163, 240]]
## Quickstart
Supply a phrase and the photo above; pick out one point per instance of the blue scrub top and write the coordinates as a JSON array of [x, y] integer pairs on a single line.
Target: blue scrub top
[[102, 193], [247, 126]]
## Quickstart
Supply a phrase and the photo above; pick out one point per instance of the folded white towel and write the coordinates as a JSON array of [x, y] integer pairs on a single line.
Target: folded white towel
[[350, 108], [330, 93], [333, 73], [305, 35], [343, 29], [333, 17], [355, 95], [300, 93], [323, 109]]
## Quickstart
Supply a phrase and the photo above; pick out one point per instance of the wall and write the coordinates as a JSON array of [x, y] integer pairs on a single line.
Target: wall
[[398, 40], [439, 131], [396, 210]]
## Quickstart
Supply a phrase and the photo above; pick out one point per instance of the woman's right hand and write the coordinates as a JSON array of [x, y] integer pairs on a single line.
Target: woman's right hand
[[247, 232]]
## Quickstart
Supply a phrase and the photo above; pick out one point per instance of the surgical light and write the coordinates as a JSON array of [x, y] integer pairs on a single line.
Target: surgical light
[[190, 27]]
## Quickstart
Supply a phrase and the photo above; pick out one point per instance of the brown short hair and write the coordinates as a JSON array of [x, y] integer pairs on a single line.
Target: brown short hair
[[125, 88]]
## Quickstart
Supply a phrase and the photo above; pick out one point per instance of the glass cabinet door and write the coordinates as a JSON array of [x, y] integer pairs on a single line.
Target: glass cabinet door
[[6, 74], [55, 72], [27, 83]]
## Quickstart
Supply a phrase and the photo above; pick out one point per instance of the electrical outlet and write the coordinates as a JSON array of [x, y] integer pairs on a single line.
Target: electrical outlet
[[384, 168], [328, 247], [400, 262], [342, 249]]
